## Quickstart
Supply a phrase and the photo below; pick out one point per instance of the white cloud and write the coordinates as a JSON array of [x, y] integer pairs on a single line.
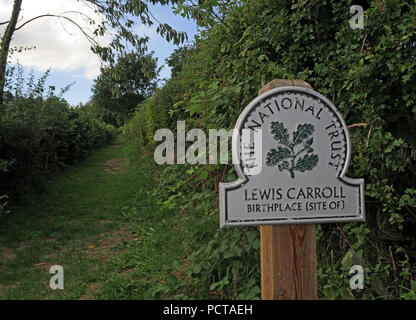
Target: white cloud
[[59, 44], [145, 30]]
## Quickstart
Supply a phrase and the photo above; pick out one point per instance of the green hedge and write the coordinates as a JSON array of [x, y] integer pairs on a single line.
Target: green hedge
[[39, 136], [370, 76]]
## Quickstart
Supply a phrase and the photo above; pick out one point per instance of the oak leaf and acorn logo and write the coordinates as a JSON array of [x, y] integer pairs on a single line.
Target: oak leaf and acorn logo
[[292, 155]]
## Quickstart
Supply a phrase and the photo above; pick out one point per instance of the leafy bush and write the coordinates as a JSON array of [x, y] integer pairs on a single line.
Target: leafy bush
[[369, 74], [39, 135]]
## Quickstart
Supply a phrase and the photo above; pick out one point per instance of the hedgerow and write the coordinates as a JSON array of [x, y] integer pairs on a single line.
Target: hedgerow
[[370, 76], [40, 134]]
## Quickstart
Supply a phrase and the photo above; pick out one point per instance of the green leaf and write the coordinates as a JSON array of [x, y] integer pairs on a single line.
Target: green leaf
[[274, 156], [254, 292], [204, 174], [280, 133], [262, 57], [171, 280], [194, 109], [303, 131], [214, 285], [406, 77]]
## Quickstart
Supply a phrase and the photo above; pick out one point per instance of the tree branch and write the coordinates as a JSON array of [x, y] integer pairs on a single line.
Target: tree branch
[[5, 44], [361, 124], [5, 22], [95, 3], [89, 38]]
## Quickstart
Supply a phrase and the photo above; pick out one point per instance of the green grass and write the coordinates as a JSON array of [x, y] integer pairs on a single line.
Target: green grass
[[106, 229]]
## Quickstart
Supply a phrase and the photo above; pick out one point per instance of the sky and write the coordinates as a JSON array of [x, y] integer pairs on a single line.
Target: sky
[[58, 45]]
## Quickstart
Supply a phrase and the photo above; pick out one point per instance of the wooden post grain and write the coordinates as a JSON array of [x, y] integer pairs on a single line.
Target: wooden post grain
[[288, 252]]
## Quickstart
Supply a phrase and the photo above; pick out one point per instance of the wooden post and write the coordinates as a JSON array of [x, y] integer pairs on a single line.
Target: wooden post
[[288, 252]]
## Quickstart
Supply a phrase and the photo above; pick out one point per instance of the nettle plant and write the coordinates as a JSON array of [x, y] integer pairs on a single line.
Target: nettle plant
[[288, 156]]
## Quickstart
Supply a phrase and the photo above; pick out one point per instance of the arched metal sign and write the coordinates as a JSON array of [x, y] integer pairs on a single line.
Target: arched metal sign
[[291, 150]]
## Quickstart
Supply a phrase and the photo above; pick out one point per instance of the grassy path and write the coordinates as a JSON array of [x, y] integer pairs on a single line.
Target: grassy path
[[100, 222]]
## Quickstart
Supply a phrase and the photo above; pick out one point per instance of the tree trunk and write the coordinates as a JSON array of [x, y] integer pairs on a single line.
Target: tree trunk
[[5, 44]]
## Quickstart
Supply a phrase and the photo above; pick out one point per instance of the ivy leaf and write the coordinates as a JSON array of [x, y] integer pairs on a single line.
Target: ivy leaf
[[307, 162], [275, 156], [303, 131], [280, 133]]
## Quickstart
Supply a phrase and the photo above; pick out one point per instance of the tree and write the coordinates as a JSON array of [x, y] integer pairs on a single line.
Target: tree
[[177, 59], [115, 98], [5, 44], [118, 16]]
